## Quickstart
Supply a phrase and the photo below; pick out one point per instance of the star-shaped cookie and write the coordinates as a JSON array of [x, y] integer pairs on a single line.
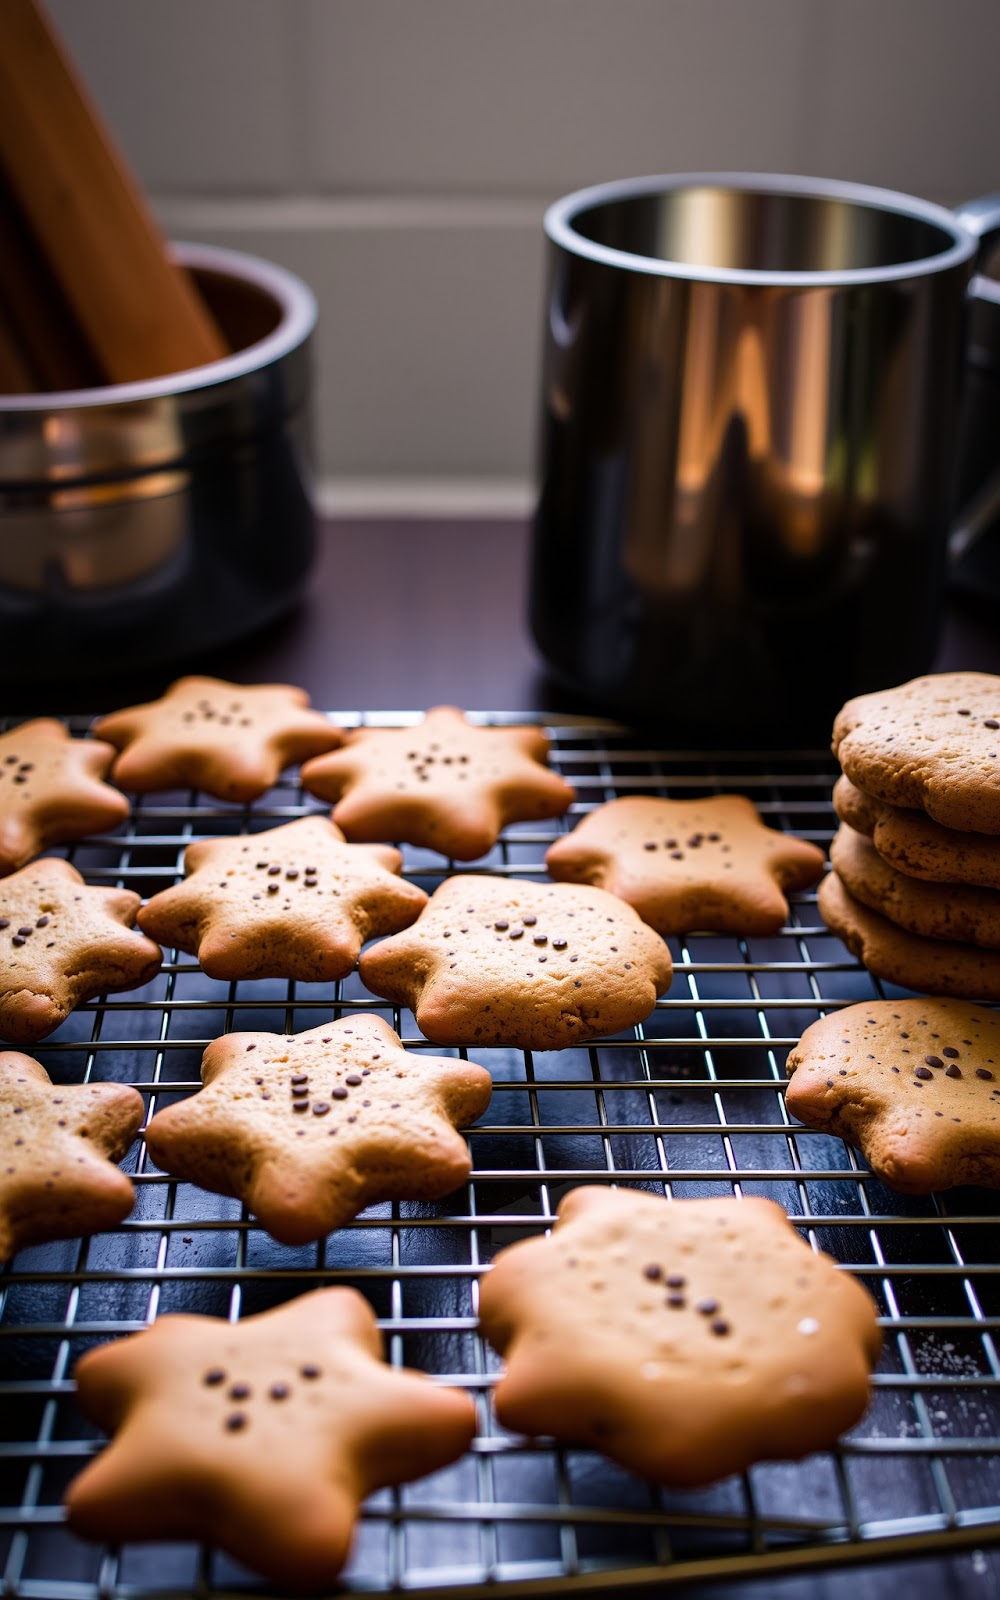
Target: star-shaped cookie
[[914, 1084], [62, 942], [446, 784], [262, 1436], [293, 902], [534, 966], [51, 790], [231, 740], [689, 864], [309, 1130], [685, 1339], [58, 1146]]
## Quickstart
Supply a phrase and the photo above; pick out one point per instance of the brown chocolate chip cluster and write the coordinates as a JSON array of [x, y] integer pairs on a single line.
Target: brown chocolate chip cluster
[[676, 847], [24, 933], [420, 763], [236, 1421], [274, 871], [527, 928], [676, 1286], [23, 768], [988, 722], [205, 712]]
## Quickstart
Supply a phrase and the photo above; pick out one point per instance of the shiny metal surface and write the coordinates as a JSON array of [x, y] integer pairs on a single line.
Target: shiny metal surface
[[148, 521], [750, 392]]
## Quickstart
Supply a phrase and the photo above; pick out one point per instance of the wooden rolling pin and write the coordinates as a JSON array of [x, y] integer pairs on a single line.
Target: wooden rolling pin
[[137, 312]]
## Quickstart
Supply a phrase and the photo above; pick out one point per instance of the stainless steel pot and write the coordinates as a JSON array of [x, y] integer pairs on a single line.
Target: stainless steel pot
[[748, 444], [146, 522]]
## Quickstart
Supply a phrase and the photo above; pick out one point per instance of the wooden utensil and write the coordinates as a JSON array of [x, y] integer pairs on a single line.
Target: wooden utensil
[[137, 311]]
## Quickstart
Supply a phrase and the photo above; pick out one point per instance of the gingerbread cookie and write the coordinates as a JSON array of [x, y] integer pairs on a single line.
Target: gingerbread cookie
[[58, 1146], [685, 1339], [933, 966], [309, 1130], [912, 843], [293, 902], [261, 1436], [914, 1084], [62, 942], [531, 965], [51, 790], [446, 785], [933, 744], [934, 911], [231, 740], [689, 864]]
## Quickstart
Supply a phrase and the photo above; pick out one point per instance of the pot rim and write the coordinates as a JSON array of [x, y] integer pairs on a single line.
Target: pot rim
[[298, 318], [560, 216]]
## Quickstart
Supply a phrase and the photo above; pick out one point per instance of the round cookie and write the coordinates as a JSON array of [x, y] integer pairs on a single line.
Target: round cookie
[[934, 911], [689, 864], [533, 966], [914, 1084], [913, 843], [933, 966], [685, 1339], [932, 743]]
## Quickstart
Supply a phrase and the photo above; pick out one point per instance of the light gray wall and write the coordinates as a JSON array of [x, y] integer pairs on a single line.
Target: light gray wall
[[399, 155]]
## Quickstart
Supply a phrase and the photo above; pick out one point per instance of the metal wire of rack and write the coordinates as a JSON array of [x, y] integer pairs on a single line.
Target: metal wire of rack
[[690, 1103]]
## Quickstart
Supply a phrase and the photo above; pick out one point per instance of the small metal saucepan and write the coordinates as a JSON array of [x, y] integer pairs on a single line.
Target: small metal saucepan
[[751, 386], [146, 522]]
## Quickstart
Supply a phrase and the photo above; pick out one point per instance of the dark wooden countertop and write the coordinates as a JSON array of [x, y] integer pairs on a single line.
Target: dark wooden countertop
[[406, 614]]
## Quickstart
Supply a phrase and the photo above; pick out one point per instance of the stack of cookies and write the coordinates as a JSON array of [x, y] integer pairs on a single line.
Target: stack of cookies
[[915, 886]]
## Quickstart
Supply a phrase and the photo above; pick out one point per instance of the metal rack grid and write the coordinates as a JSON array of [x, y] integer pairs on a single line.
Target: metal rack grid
[[688, 1104]]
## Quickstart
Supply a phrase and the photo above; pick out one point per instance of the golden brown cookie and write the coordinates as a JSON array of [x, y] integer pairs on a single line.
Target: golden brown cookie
[[953, 911], [685, 1339], [446, 784], [932, 743], [531, 965], [261, 1436], [231, 740], [914, 1084], [51, 790], [912, 843], [62, 942], [293, 902], [932, 966], [309, 1130], [58, 1146], [689, 864]]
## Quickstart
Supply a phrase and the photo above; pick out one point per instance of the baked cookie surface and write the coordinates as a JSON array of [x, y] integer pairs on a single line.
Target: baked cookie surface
[[914, 843], [445, 784], [291, 902], [261, 1436], [932, 743], [531, 965], [58, 1146], [51, 790], [934, 911], [914, 1084], [62, 942], [933, 966], [685, 1339], [687, 865], [231, 740], [309, 1130]]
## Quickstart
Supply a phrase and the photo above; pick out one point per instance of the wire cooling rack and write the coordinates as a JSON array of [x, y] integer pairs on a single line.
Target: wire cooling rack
[[689, 1104]]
